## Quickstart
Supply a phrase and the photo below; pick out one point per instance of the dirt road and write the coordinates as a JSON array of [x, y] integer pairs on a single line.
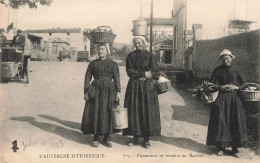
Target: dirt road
[[45, 115]]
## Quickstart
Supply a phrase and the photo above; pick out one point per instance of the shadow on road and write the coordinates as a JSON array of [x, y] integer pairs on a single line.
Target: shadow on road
[[61, 131], [193, 111], [185, 143], [67, 133], [190, 114], [70, 124], [6, 81], [116, 138]]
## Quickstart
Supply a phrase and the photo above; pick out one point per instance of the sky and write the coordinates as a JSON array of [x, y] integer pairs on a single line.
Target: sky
[[118, 14]]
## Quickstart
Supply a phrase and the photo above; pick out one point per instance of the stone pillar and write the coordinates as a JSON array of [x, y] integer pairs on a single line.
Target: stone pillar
[[197, 34]]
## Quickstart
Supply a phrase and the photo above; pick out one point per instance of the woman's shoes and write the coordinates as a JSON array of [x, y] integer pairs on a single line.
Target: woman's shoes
[[235, 152], [107, 142], [133, 142], [95, 143], [147, 144], [220, 152]]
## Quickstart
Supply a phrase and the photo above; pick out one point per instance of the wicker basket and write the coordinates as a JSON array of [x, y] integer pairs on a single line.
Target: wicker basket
[[210, 98], [250, 95], [103, 37], [163, 87]]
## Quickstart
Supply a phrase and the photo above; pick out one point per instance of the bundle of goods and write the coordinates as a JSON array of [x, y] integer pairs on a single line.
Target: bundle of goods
[[102, 34], [204, 92], [163, 84], [251, 92]]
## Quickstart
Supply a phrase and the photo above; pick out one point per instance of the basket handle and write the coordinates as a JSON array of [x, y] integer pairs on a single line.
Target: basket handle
[[252, 84], [163, 74], [105, 27]]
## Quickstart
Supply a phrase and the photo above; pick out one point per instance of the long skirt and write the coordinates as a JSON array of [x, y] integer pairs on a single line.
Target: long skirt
[[141, 100], [97, 115], [227, 123]]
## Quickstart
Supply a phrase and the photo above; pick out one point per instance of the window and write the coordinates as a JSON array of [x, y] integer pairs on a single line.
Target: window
[[54, 49], [168, 57]]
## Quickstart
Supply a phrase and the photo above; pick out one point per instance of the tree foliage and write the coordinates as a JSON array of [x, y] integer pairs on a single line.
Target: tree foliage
[[122, 53], [16, 4]]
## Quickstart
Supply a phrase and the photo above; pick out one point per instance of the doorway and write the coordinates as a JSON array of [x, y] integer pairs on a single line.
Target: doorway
[[168, 57]]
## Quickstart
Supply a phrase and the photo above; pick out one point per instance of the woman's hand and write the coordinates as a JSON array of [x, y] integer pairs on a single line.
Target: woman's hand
[[229, 87], [118, 96], [86, 97], [212, 85], [233, 87], [148, 74]]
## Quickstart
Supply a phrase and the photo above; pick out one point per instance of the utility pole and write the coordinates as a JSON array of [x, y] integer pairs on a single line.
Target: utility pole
[[141, 11], [235, 8], [151, 29]]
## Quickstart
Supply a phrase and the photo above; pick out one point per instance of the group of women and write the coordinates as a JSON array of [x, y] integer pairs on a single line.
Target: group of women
[[227, 125]]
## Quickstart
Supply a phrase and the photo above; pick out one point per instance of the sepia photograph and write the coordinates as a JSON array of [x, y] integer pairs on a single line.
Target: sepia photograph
[[129, 81]]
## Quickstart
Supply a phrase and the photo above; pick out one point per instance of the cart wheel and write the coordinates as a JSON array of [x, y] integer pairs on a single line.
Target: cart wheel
[[27, 70]]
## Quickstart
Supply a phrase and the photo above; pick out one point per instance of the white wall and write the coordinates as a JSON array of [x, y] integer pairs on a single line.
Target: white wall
[[74, 39], [162, 28]]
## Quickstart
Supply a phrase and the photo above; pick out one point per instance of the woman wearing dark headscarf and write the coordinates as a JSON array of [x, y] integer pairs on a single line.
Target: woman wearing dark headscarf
[[100, 96], [141, 97], [227, 124]]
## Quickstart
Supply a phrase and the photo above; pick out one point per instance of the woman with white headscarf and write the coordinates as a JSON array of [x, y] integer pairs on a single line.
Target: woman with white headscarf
[[227, 124], [141, 98], [100, 96]]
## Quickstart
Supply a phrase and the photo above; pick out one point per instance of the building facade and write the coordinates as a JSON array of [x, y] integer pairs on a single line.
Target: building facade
[[74, 38], [162, 38], [211, 20]]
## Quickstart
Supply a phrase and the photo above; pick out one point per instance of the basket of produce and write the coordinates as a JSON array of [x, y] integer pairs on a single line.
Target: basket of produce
[[204, 92], [251, 92], [102, 34], [209, 98], [163, 84]]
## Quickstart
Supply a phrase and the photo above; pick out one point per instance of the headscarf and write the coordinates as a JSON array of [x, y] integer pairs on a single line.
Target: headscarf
[[143, 39], [106, 45], [226, 52], [139, 37]]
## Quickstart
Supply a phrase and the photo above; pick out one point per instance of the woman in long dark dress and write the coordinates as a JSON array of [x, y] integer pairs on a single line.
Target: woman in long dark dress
[[100, 96], [141, 97], [227, 124]]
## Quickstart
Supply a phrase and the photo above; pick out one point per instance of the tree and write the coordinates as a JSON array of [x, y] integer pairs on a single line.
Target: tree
[[16, 4], [124, 50]]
